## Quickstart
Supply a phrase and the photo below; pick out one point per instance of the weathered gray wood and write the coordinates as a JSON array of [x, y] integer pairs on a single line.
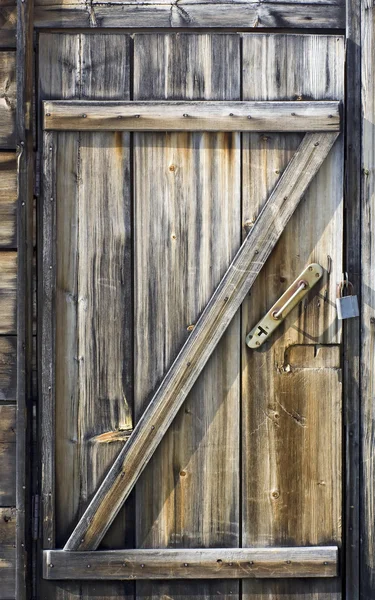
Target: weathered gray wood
[[291, 428], [8, 292], [183, 242], [184, 14], [25, 291], [8, 99], [191, 116], [93, 376], [367, 263], [8, 368], [352, 327], [7, 553], [210, 327], [46, 303], [8, 23], [215, 563], [8, 200], [7, 455]]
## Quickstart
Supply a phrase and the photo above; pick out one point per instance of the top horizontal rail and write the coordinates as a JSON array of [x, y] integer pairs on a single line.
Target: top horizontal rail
[[79, 115]]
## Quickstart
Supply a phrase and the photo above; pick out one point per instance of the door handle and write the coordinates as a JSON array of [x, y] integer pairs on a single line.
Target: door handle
[[277, 313]]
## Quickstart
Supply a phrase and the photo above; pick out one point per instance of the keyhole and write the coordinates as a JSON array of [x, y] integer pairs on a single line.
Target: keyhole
[[261, 331]]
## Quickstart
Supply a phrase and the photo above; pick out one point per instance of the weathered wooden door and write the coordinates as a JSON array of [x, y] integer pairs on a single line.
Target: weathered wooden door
[[145, 203]]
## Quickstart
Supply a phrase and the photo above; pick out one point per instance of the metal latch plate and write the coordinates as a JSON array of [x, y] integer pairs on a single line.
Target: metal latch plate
[[276, 315]]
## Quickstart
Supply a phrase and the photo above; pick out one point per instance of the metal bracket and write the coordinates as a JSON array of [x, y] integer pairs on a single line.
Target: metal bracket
[[276, 315]]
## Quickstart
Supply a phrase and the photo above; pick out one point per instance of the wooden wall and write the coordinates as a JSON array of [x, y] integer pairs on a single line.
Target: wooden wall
[[8, 282]]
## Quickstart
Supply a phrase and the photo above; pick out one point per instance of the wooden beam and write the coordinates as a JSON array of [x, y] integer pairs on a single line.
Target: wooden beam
[[69, 115], [352, 327], [151, 15], [193, 563], [24, 128], [209, 329]]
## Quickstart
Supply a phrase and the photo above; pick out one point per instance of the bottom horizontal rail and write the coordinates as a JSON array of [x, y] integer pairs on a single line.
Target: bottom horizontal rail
[[211, 563]]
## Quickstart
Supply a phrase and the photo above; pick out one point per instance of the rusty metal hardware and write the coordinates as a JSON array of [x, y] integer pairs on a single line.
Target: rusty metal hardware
[[346, 301], [276, 315]]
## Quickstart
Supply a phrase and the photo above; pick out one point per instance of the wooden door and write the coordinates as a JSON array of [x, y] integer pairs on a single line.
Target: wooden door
[[234, 488]]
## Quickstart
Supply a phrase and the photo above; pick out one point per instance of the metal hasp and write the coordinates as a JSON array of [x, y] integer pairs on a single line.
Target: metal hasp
[[276, 315]]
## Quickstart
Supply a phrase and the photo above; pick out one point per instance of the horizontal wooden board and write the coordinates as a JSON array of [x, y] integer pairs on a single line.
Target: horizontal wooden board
[[8, 366], [185, 14], [8, 292], [217, 563], [7, 455], [8, 199], [7, 552], [7, 98], [68, 115], [8, 23]]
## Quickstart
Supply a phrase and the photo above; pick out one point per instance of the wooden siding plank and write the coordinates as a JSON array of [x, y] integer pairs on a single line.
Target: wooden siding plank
[[218, 563], [7, 455], [8, 23], [7, 552], [292, 416], [210, 327], [93, 352], [191, 116], [8, 200], [7, 99], [8, 292], [187, 207], [8, 368], [198, 15]]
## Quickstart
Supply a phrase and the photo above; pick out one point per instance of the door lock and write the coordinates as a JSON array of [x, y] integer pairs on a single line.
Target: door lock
[[276, 315]]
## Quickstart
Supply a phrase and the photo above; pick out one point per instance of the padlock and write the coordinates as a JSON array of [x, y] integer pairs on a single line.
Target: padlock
[[346, 302]]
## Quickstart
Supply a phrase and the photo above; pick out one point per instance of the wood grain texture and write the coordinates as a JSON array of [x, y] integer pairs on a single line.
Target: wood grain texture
[[212, 324], [367, 386], [93, 352], [7, 99], [8, 292], [7, 552], [187, 229], [8, 23], [7, 455], [352, 327], [46, 337], [8, 368], [191, 116], [218, 563], [240, 14], [8, 200], [292, 410]]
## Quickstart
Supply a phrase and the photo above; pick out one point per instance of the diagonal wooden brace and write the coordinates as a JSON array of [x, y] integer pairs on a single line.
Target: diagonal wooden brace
[[210, 327]]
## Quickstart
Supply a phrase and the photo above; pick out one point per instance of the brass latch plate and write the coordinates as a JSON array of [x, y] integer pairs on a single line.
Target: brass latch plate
[[276, 315]]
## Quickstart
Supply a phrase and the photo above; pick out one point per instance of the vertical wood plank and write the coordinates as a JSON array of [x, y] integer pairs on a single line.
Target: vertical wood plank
[[367, 432], [352, 327], [187, 228], [58, 77], [25, 189], [94, 294], [291, 449]]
